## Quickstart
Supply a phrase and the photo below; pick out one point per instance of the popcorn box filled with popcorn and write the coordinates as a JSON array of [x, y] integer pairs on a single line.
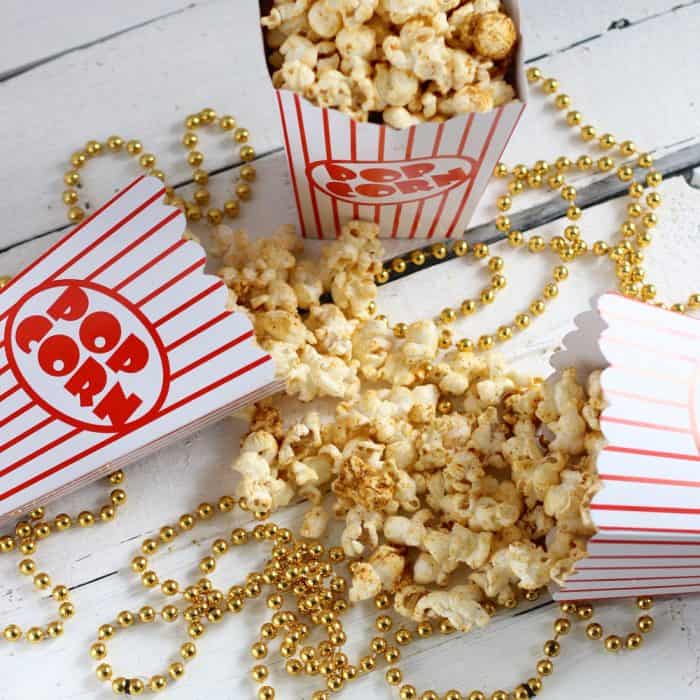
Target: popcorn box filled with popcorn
[[647, 511], [444, 121], [112, 344]]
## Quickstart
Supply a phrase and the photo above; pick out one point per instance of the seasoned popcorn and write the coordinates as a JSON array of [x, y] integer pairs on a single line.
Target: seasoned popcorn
[[449, 512], [402, 62]]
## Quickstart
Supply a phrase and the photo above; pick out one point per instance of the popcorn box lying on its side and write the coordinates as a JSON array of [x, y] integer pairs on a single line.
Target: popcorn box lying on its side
[[112, 344], [647, 513], [421, 182]]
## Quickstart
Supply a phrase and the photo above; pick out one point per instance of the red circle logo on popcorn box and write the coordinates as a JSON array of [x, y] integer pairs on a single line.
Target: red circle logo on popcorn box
[[87, 356], [390, 182]]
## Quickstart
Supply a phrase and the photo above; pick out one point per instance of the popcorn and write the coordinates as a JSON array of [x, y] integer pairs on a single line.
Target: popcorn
[[461, 606], [407, 61], [494, 35], [495, 493]]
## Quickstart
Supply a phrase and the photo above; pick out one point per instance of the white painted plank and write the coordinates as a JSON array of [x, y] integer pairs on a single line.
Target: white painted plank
[[176, 479], [137, 84], [35, 30]]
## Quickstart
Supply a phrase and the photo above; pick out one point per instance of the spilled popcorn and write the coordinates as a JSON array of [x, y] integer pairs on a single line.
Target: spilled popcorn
[[458, 481], [398, 61]]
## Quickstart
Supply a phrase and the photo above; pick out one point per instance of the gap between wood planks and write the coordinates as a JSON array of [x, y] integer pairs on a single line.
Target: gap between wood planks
[[20, 70], [616, 25]]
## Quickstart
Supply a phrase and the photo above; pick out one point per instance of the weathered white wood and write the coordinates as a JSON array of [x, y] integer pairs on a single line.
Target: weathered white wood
[[142, 84], [35, 31], [176, 479]]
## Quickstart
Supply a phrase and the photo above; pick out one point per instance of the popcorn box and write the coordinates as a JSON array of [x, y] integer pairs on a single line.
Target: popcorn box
[[112, 344], [420, 182], [647, 512]]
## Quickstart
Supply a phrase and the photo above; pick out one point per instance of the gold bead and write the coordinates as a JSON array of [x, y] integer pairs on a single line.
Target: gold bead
[[574, 213], [487, 296], [119, 686], [627, 148], [515, 238], [125, 619], [157, 683], [103, 672], [560, 273], [480, 251], [227, 122], [60, 593], [93, 148], [535, 685], [654, 179], [504, 333], [26, 567], [516, 187], [118, 497], [247, 153], [439, 251], [500, 170], [625, 173], [498, 282], [476, 695], [12, 633], [398, 265], [537, 307], [562, 626], [574, 118], [534, 74], [550, 291], [453, 695], [70, 197], [644, 239], [550, 86], [243, 190], [42, 581], [503, 223], [536, 244], [485, 342], [176, 670], [605, 164], [400, 330], [460, 248], [394, 676], [584, 611], [521, 693], [588, 133], [403, 637], [563, 164], [149, 579], [645, 624], [613, 643], [147, 160], [594, 631], [418, 257], [259, 650], [496, 264], [147, 614], [134, 147], [448, 315], [75, 214], [645, 160], [562, 101], [584, 163], [545, 667], [551, 648], [522, 321], [504, 203], [555, 181], [534, 180], [432, 695], [115, 143], [98, 650], [649, 220], [499, 695], [607, 141], [195, 158]]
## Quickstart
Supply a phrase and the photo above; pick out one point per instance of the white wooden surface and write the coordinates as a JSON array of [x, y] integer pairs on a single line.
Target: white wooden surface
[[70, 72]]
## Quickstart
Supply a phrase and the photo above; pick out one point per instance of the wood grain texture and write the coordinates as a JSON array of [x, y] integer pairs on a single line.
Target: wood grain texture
[[141, 83]]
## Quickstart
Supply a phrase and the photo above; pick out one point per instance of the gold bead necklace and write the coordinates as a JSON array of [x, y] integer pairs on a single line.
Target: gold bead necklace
[[198, 207], [310, 573], [627, 254], [27, 535]]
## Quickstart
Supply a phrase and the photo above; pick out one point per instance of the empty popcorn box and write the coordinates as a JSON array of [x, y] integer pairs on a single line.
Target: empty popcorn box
[[112, 344], [647, 513], [422, 182]]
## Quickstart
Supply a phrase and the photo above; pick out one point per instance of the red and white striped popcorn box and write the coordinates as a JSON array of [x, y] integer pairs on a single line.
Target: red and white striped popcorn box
[[647, 513], [112, 344], [421, 182]]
